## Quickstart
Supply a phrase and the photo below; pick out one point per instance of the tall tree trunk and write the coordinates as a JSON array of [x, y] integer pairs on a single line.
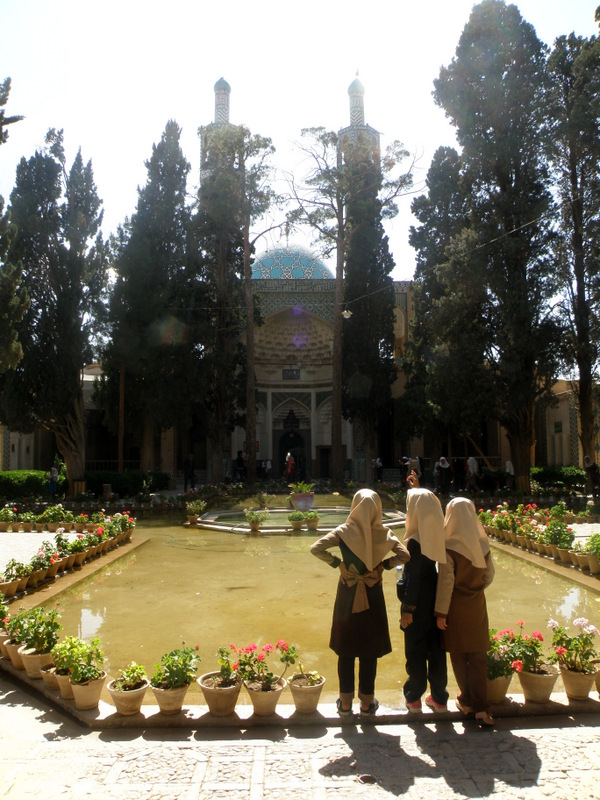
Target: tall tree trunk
[[70, 440], [520, 435], [250, 387], [147, 449], [337, 454]]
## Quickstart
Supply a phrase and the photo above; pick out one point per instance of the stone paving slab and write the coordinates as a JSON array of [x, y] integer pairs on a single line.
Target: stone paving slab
[[44, 754]]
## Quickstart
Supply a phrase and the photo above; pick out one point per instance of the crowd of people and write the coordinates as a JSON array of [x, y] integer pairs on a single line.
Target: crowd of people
[[447, 565]]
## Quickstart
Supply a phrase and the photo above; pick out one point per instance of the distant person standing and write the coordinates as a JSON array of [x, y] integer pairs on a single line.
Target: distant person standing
[[510, 475], [593, 474], [52, 482], [378, 469], [472, 484]]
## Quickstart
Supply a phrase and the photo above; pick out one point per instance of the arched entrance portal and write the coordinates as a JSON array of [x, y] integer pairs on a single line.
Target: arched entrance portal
[[292, 442]]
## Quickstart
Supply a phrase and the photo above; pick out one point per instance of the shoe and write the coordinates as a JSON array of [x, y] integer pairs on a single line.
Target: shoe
[[466, 710], [415, 706], [371, 710], [484, 720], [430, 702], [343, 712]]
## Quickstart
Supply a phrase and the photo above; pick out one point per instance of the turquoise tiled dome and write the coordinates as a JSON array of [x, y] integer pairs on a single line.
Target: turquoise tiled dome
[[289, 262]]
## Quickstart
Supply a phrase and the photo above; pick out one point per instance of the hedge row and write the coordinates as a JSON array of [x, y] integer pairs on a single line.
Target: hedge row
[[18, 484]]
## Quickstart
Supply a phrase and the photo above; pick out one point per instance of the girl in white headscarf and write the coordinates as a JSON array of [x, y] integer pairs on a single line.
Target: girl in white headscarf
[[425, 658], [360, 628], [460, 605]]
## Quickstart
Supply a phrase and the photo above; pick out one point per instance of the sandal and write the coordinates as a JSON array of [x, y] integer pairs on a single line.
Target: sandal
[[466, 710], [371, 710], [484, 720], [343, 712]]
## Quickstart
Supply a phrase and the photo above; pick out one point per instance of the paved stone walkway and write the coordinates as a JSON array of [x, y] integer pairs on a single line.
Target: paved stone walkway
[[45, 754]]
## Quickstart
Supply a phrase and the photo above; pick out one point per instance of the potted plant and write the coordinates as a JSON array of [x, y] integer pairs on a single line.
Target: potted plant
[[86, 674], [593, 553], [16, 626], [263, 500], [500, 657], [312, 519], [26, 520], [221, 689], [262, 684], [536, 676], [8, 515], [4, 617], [256, 518], [80, 520], [39, 636], [52, 517], [302, 495], [173, 676], [63, 654], [296, 518], [127, 690], [306, 687], [575, 656], [19, 572], [194, 508]]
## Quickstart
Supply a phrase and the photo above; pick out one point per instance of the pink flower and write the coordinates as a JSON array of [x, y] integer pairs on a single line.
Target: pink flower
[[520, 623], [560, 651], [260, 657], [537, 635], [267, 648], [517, 666]]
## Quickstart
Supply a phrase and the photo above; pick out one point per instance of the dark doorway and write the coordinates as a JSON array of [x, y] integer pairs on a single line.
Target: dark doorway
[[292, 442]]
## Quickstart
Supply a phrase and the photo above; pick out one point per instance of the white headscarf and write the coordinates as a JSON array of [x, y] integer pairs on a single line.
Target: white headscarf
[[364, 532], [464, 531], [425, 523]]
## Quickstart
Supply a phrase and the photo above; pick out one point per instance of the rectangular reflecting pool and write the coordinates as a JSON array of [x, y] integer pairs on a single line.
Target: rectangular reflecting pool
[[211, 588]]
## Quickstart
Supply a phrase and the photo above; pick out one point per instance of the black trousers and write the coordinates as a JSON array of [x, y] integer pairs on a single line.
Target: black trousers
[[367, 671], [425, 661]]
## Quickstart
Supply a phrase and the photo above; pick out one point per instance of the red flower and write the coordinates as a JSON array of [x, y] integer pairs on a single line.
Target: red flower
[[236, 665], [560, 651], [267, 648], [517, 666], [520, 623], [260, 656], [537, 635]]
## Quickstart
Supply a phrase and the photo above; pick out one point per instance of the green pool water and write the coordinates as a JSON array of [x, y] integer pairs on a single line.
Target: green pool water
[[212, 588]]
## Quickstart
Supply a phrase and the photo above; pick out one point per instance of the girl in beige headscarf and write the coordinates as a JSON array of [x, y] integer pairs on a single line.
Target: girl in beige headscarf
[[425, 658], [360, 628], [460, 605]]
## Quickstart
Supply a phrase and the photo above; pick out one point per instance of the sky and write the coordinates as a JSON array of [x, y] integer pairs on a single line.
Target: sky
[[111, 74]]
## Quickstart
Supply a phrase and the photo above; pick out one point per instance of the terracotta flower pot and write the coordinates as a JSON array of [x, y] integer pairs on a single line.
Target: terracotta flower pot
[[264, 703], [577, 684], [33, 662], [87, 695], [64, 686], [127, 702], [49, 677], [221, 700], [170, 701], [306, 697], [537, 686], [497, 689], [9, 588], [12, 648]]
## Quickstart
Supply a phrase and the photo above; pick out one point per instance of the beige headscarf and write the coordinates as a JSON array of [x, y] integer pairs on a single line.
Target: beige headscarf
[[464, 531], [364, 532], [425, 523]]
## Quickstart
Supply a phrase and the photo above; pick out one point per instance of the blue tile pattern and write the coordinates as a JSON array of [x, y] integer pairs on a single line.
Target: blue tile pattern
[[290, 262]]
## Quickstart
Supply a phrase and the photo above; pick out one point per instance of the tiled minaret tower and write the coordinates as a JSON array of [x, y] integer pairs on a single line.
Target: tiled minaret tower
[[358, 130], [222, 92]]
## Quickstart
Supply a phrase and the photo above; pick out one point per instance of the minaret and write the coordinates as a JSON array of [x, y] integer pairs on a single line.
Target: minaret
[[222, 92], [356, 91], [358, 130]]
